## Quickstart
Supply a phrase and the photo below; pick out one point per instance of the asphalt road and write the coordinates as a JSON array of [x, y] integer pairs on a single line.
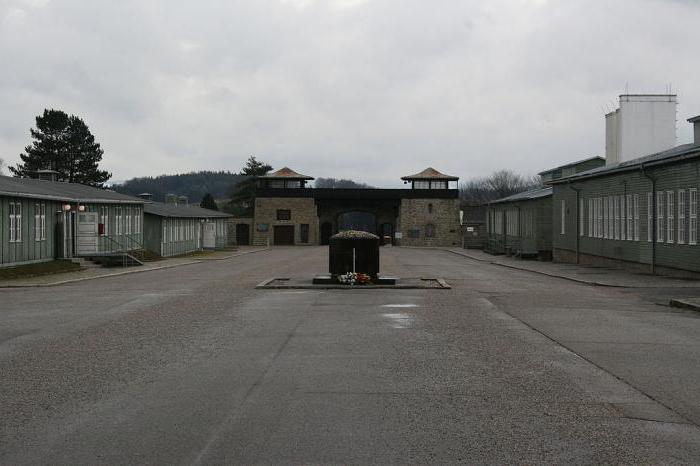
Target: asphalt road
[[192, 365]]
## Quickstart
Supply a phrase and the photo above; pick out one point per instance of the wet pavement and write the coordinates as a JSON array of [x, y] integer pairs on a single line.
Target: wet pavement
[[194, 365]]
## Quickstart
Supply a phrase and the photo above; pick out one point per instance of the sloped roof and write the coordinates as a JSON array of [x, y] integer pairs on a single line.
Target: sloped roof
[[676, 154], [530, 195], [61, 191], [181, 211], [430, 174], [573, 164], [288, 174]]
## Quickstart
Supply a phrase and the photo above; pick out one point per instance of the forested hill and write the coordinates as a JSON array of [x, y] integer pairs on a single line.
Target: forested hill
[[193, 185]]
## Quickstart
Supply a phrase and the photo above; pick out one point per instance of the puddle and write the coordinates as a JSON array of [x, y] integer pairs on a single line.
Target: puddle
[[400, 320]]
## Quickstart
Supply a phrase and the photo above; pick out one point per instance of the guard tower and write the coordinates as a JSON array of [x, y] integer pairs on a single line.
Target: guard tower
[[430, 215], [284, 178], [429, 179]]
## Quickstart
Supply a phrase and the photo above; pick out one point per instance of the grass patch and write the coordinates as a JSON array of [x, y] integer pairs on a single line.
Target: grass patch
[[145, 255], [195, 254], [35, 270]]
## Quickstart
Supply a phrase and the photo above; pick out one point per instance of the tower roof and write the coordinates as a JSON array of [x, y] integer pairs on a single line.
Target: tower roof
[[286, 173], [430, 174]]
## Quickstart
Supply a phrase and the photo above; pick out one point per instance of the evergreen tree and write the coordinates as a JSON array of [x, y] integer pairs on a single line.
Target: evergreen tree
[[243, 194], [63, 143], [208, 202]]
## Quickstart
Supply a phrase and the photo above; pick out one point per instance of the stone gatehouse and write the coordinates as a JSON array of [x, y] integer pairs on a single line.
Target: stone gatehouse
[[287, 212]]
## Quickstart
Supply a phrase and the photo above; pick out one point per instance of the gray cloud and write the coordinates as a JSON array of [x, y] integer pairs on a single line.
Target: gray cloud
[[369, 90]]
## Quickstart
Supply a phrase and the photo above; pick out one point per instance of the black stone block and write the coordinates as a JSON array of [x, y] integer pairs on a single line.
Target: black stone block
[[366, 251]]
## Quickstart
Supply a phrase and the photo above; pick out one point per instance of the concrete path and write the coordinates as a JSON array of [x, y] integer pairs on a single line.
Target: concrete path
[[600, 276], [195, 366], [102, 272]]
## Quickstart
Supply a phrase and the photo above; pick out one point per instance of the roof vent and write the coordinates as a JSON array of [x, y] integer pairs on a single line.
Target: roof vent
[[146, 196], [171, 199], [46, 175]]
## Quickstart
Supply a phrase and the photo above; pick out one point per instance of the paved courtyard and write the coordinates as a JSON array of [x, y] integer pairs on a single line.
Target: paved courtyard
[[193, 365]]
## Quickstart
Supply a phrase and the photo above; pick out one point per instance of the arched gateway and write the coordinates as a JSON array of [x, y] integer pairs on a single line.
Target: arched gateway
[[426, 214]]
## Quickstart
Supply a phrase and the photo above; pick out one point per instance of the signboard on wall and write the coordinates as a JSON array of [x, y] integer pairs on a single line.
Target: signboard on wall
[[398, 235]]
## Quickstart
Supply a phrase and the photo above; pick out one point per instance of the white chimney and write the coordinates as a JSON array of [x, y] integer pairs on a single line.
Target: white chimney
[[696, 128], [643, 125]]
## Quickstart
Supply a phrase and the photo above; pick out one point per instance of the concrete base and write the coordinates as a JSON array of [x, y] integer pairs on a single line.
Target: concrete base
[[324, 282], [328, 279]]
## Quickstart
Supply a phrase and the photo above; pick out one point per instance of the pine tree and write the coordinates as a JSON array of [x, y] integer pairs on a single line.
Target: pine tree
[[243, 195], [63, 143], [208, 202]]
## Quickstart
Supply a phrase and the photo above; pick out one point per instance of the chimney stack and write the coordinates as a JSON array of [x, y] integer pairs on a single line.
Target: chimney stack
[[696, 128], [642, 125]]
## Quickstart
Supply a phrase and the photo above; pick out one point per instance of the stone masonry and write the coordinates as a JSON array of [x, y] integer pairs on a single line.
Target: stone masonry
[[416, 215], [303, 211]]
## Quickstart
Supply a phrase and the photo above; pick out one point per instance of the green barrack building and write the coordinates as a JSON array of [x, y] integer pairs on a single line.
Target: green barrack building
[[42, 220], [171, 230], [640, 214], [521, 224]]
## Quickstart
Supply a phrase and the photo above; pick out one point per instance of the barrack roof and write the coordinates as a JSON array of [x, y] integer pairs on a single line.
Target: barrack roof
[[572, 164], [529, 195], [677, 154], [181, 211], [287, 174], [61, 191], [430, 174]]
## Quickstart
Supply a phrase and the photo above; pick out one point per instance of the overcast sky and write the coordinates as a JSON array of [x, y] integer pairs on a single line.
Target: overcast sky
[[362, 89]]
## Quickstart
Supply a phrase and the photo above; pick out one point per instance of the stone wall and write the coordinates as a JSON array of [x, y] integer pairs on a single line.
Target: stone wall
[[231, 228], [303, 211], [416, 216]]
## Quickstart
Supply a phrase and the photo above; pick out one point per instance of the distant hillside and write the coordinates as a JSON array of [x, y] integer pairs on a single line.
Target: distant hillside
[[193, 185]]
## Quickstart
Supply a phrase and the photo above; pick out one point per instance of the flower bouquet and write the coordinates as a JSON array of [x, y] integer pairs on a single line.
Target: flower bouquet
[[353, 278]]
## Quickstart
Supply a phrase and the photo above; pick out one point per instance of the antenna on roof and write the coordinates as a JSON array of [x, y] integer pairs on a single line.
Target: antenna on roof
[[627, 87]]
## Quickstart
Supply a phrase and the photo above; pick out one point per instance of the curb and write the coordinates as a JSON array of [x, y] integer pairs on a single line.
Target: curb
[[232, 255], [680, 303], [514, 267], [125, 272]]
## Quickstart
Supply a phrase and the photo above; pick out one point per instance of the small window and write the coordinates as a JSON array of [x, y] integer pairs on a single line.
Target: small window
[[304, 233], [414, 234], [430, 208], [430, 231], [284, 214], [15, 222], [421, 185]]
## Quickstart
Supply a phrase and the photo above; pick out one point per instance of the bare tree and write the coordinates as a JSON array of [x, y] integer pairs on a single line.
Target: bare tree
[[500, 184]]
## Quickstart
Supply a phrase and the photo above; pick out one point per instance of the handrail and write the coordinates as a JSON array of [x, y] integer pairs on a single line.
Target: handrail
[[134, 240], [120, 247]]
